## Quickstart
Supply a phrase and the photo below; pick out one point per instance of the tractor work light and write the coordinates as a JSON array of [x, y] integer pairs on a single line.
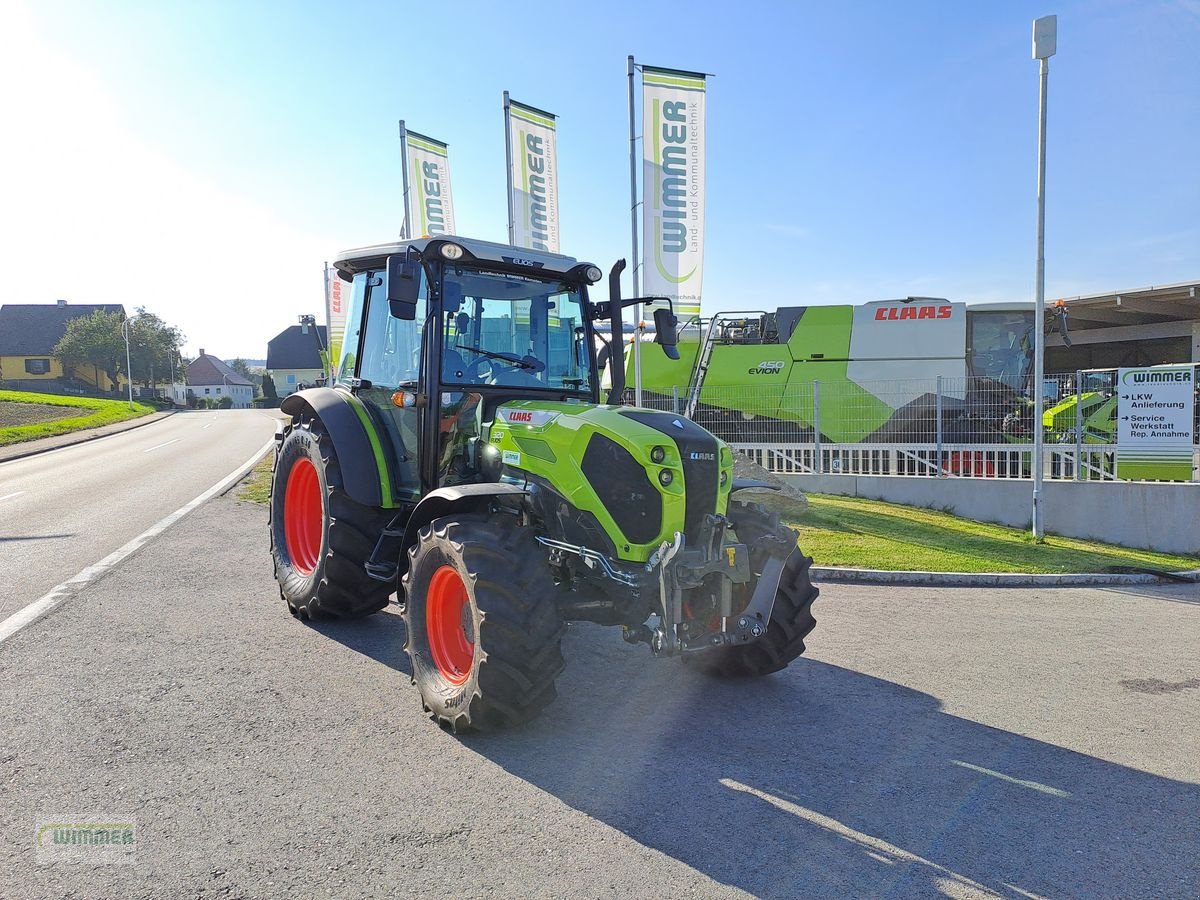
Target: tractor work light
[[658, 454], [665, 477], [724, 478], [593, 274], [451, 251]]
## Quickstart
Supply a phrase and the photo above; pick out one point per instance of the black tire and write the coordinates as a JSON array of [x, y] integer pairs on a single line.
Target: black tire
[[330, 581], [509, 615], [791, 618]]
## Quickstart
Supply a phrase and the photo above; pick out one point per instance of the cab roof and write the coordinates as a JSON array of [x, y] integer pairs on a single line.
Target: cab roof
[[348, 262]]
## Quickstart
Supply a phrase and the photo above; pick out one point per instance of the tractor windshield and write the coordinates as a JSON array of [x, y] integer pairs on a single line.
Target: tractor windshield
[[512, 331]]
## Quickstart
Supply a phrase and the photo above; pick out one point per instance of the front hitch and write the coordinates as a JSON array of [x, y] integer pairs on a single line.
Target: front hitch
[[680, 567]]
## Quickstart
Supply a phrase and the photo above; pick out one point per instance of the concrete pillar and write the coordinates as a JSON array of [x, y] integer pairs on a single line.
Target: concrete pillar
[[1196, 342]]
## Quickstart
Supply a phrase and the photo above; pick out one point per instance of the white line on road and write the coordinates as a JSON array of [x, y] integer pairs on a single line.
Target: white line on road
[[10, 496], [57, 595], [1023, 782], [160, 446], [873, 846]]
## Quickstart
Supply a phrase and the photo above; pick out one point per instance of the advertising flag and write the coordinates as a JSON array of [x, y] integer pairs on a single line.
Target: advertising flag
[[337, 297], [430, 202], [532, 176], [673, 186]]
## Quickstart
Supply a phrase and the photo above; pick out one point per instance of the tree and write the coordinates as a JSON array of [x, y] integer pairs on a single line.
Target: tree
[[268, 387], [154, 348], [240, 366], [94, 340]]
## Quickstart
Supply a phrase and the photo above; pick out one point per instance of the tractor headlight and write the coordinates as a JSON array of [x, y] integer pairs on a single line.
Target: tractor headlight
[[451, 251], [724, 477], [658, 454], [665, 477], [593, 274]]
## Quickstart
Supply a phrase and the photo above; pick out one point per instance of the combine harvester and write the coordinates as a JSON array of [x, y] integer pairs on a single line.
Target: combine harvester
[[877, 366]]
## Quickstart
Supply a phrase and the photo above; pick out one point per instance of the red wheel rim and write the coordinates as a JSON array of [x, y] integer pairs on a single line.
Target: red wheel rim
[[303, 516], [447, 620]]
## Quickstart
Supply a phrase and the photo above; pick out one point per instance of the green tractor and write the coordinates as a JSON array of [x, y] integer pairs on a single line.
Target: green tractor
[[463, 461]]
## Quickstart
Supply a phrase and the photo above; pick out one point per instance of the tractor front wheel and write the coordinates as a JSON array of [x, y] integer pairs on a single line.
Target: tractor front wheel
[[484, 632], [320, 538]]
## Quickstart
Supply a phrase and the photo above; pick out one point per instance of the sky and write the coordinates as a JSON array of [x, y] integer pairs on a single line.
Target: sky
[[204, 159]]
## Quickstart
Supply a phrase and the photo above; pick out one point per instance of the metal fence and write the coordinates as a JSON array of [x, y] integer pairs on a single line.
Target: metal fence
[[968, 427]]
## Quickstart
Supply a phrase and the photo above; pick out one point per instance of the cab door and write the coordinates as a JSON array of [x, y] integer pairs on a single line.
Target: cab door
[[383, 356]]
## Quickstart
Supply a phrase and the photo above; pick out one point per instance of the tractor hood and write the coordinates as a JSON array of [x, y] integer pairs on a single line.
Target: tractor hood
[[643, 474]]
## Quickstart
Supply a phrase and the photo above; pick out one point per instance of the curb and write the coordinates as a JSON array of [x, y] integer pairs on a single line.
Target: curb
[[822, 574], [57, 442]]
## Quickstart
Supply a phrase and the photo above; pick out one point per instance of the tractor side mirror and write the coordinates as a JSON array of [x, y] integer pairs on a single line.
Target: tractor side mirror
[[664, 332], [403, 287]]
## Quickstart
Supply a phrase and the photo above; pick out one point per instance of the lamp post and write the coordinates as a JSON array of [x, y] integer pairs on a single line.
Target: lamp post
[[128, 366], [1045, 42]]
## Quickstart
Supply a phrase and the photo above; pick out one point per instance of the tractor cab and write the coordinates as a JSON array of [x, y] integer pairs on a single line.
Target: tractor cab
[[441, 331]]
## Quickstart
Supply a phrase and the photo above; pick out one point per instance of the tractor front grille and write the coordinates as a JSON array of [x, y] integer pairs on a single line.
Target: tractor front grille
[[701, 462], [624, 488]]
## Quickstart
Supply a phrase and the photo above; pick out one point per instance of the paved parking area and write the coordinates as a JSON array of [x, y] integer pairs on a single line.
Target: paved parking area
[[961, 742]]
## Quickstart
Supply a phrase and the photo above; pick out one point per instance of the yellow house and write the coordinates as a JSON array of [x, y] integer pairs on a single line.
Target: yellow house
[[28, 333]]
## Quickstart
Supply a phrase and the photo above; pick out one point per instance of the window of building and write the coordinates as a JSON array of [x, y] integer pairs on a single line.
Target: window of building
[[291, 379], [206, 390], [37, 366]]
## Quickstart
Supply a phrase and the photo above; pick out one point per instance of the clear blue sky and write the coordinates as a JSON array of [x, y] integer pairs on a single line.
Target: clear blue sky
[[856, 151]]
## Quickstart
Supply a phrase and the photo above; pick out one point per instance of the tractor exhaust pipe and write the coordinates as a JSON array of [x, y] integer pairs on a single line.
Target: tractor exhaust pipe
[[616, 339]]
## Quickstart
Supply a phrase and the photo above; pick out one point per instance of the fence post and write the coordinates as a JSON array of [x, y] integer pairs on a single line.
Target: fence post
[[675, 399], [819, 465], [939, 426], [1078, 425]]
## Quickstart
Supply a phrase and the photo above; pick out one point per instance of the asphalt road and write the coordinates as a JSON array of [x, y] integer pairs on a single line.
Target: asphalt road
[[961, 742], [63, 511]]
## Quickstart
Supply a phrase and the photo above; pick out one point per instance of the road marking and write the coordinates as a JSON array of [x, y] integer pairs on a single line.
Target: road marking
[[152, 449], [870, 845], [73, 585], [1032, 785], [10, 496]]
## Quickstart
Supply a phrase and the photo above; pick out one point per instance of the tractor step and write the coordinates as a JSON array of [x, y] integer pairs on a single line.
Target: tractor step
[[384, 562]]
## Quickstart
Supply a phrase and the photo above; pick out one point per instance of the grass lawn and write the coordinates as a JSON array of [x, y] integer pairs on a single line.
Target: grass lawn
[[256, 487], [869, 534], [37, 421]]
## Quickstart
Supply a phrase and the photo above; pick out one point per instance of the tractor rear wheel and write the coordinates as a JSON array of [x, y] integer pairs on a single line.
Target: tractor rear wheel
[[320, 538], [484, 631], [791, 617]]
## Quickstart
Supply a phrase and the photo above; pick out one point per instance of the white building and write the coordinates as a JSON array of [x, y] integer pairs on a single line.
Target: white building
[[208, 378]]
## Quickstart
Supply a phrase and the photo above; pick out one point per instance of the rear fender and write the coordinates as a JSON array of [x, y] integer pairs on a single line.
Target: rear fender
[[358, 446]]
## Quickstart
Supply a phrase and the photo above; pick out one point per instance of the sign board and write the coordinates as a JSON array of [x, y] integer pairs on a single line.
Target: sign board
[[1155, 421], [532, 177]]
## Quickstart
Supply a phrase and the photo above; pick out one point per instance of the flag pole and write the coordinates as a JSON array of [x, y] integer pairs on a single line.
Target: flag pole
[[406, 230], [633, 221], [508, 158]]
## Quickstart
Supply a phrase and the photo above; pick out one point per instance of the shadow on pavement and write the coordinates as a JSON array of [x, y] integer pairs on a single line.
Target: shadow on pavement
[[379, 637], [821, 781]]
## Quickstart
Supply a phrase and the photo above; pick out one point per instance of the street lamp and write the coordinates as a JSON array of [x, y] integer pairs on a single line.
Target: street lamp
[[1045, 42], [128, 367]]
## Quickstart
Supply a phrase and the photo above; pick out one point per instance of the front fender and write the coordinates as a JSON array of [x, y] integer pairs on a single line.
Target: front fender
[[360, 452], [443, 501]]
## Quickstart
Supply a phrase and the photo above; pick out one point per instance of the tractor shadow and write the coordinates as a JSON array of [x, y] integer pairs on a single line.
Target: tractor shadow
[[379, 637], [821, 781]]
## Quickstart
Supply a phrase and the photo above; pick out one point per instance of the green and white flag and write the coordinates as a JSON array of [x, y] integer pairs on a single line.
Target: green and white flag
[[1155, 418], [430, 202], [673, 186], [532, 176]]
